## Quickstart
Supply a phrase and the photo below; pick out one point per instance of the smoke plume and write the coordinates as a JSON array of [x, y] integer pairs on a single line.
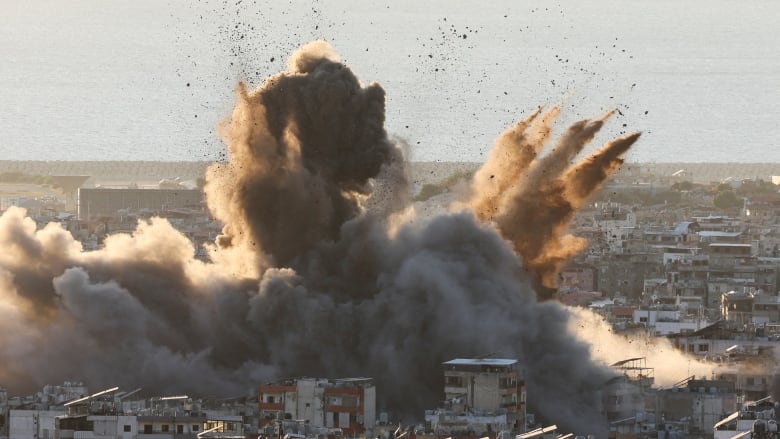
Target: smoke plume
[[303, 148], [531, 199], [669, 363], [303, 280]]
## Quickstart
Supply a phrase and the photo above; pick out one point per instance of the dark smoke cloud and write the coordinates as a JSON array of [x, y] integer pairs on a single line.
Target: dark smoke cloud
[[323, 287], [303, 148]]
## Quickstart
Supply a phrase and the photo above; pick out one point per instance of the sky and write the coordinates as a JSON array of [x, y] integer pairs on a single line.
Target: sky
[[150, 80]]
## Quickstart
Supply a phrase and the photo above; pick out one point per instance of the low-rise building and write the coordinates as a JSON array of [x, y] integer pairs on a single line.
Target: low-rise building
[[348, 404], [482, 395]]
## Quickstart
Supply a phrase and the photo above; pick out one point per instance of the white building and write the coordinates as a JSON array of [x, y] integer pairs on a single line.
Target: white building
[[32, 424], [663, 320]]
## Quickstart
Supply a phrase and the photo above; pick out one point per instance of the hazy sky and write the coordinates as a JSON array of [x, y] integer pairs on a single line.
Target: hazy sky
[[88, 79]]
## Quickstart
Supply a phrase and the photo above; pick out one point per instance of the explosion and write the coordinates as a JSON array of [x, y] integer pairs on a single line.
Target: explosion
[[531, 200], [304, 280]]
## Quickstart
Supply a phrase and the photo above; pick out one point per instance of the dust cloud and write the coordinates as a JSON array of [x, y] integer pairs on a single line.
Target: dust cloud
[[305, 280]]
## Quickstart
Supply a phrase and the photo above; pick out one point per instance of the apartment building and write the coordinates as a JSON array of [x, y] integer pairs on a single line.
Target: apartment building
[[348, 404]]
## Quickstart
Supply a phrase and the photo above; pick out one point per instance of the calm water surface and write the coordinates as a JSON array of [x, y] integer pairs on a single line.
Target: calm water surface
[[149, 80]]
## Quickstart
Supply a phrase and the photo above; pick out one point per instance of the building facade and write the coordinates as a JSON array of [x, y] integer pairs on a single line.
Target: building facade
[[482, 395], [96, 202], [348, 404]]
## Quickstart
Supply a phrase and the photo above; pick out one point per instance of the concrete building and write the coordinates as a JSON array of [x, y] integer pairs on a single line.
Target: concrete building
[[482, 395], [624, 274], [101, 416], [683, 232], [485, 384], [577, 278], [624, 396], [32, 424], [663, 320], [348, 404], [700, 401], [162, 426], [111, 414], [740, 423], [717, 223], [615, 225], [94, 202]]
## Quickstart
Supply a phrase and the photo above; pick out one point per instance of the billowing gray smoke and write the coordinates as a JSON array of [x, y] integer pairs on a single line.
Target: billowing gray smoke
[[303, 282]]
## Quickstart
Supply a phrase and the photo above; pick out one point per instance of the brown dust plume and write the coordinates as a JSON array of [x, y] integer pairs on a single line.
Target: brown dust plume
[[532, 198]]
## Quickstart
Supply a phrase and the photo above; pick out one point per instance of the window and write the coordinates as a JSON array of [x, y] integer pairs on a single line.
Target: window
[[195, 427], [270, 399], [704, 347], [147, 428], [180, 429], [453, 381], [166, 428], [127, 428]]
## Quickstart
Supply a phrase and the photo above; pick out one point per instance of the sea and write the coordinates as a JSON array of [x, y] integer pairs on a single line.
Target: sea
[[152, 79]]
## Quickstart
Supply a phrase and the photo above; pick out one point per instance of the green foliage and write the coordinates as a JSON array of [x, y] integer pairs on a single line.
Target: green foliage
[[724, 187], [726, 199], [756, 187], [682, 186]]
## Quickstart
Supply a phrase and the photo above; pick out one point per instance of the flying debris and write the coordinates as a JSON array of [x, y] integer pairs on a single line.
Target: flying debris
[[307, 278]]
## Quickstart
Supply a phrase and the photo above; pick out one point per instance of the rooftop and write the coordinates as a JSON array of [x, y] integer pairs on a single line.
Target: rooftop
[[723, 244], [481, 362], [711, 233]]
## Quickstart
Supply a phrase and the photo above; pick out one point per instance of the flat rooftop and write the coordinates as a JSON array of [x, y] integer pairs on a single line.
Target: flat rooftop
[[481, 362]]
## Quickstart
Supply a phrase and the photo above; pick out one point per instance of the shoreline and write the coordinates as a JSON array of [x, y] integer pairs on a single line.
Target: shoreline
[[420, 172]]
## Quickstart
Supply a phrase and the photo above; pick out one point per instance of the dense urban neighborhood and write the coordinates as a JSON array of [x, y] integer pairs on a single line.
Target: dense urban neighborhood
[[681, 253]]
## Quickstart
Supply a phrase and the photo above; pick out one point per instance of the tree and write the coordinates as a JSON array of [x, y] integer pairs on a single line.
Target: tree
[[756, 187], [726, 199], [682, 186]]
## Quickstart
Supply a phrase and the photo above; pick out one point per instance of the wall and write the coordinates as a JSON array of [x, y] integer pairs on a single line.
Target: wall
[[98, 201], [32, 424]]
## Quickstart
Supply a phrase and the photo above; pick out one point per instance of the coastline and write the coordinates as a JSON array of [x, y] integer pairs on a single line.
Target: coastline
[[420, 172]]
